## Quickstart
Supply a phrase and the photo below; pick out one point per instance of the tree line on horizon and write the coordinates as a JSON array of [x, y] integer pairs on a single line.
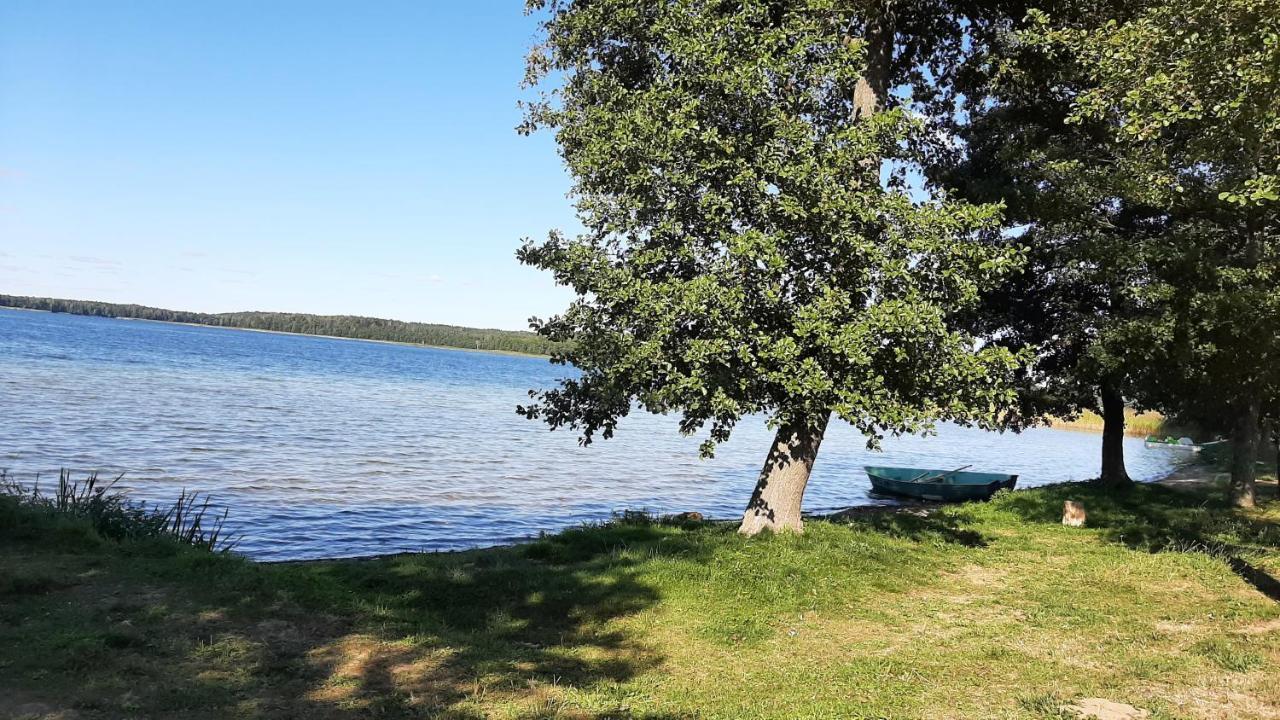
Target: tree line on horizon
[[1100, 228], [346, 326]]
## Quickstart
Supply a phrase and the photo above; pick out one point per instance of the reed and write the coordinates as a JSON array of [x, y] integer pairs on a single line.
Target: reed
[[190, 520], [1135, 423]]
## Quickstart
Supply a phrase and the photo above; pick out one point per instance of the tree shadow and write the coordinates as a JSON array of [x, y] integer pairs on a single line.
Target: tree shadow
[[421, 635], [1261, 580], [520, 624], [916, 522], [1157, 519]]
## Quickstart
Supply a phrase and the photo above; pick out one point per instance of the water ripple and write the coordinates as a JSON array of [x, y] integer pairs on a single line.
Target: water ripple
[[336, 448]]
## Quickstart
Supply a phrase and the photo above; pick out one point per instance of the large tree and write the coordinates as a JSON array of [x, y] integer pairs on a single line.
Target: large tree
[[742, 253], [1197, 82], [1077, 197]]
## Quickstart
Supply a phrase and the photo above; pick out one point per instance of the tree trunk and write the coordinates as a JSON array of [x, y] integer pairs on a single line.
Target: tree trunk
[[1244, 452], [1114, 476], [869, 93], [775, 504], [872, 89], [1243, 491], [1275, 439]]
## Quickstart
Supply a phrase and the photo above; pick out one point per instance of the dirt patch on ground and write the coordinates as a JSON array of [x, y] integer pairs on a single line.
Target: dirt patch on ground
[[1102, 709], [918, 508], [1206, 477], [1262, 627], [1178, 628], [16, 704], [1194, 477], [1221, 704]]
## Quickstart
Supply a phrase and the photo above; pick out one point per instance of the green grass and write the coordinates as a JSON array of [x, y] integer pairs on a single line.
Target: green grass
[[978, 611]]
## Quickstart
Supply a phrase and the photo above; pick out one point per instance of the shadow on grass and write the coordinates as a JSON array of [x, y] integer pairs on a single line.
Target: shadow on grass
[[525, 620], [1161, 519], [918, 524], [1261, 580], [446, 635]]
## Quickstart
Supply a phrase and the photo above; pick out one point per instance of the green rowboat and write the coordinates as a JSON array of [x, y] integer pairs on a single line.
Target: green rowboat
[[1155, 442], [945, 485], [1171, 443]]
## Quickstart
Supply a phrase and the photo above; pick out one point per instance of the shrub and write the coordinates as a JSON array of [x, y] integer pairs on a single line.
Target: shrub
[[114, 516]]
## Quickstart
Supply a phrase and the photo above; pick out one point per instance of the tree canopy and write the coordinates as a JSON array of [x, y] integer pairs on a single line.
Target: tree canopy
[[1192, 87], [1078, 198], [742, 253]]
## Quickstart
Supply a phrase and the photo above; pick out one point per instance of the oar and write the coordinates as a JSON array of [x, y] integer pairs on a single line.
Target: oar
[[939, 477]]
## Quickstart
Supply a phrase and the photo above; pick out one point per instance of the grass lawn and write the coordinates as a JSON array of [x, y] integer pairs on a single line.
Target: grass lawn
[[1168, 602]]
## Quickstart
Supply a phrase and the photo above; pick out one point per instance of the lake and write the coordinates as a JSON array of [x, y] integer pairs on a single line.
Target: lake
[[325, 447]]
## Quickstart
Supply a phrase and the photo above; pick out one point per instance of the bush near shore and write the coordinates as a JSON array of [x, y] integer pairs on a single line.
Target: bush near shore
[[111, 514], [1167, 601]]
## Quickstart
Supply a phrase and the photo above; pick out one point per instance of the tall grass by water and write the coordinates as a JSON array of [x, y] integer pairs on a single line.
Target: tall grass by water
[[111, 513], [1135, 423]]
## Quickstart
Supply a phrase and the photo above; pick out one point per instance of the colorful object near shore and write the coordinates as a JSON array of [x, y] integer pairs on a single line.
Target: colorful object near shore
[[943, 485], [1173, 443]]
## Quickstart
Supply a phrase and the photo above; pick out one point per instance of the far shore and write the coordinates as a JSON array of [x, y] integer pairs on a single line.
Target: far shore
[[1136, 424], [340, 337], [285, 332]]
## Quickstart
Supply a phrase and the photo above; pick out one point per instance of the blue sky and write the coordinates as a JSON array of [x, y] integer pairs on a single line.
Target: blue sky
[[328, 157]]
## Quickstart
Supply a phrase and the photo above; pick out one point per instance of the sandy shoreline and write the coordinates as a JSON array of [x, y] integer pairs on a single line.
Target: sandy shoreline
[[1191, 477], [1199, 475], [1195, 476]]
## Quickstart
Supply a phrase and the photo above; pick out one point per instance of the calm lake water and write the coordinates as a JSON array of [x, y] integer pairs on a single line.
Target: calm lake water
[[333, 448]]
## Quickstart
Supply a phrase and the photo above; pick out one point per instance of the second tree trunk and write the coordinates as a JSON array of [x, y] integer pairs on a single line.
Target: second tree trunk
[[1244, 452], [1114, 474]]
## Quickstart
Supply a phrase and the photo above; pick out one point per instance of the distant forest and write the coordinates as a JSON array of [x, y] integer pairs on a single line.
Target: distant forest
[[347, 326]]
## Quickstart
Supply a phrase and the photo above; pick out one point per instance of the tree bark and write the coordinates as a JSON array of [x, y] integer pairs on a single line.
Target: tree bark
[[1275, 440], [1243, 491], [871, 89], [1114, 475], [1244, 452], [775, 504]]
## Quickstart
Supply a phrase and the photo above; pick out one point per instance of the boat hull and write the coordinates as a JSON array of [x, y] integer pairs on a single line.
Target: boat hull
[[953, 487], [1171, 446]]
